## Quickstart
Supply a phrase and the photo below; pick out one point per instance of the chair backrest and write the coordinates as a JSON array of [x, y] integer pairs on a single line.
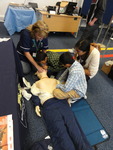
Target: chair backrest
[[33, 5]]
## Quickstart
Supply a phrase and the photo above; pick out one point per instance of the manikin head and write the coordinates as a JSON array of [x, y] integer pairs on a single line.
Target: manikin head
[[42, 75]]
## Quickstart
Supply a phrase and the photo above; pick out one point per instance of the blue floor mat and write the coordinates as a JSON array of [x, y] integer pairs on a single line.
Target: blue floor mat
[[89, 123]]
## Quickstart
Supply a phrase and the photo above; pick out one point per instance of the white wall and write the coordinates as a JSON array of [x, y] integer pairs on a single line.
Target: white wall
[[41, 4], [4, 4]]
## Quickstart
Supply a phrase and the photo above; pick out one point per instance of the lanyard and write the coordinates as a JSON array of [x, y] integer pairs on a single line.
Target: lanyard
[[35, 45]]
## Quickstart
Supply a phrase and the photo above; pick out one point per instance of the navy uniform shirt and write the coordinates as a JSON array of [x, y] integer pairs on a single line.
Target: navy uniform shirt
[[28, 44]]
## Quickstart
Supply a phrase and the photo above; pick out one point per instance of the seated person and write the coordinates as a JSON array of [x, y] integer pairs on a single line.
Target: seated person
[[89, 57], [60, 121], [49, 61], [75, 80]]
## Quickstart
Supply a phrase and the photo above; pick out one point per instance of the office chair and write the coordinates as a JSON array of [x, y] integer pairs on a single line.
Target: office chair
[[58, 3], [33, 5]]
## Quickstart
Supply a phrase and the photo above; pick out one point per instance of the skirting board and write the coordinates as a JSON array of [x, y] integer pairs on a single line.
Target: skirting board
[[1, 18]]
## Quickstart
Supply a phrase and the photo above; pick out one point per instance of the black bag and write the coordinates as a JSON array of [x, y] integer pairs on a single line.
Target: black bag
[[110, 74], [49, 8]]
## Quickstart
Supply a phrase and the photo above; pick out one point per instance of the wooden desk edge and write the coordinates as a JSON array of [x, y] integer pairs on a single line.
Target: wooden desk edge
[[60, 15]]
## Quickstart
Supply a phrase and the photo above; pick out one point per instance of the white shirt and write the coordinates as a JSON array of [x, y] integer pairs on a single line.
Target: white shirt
[[92, 62]]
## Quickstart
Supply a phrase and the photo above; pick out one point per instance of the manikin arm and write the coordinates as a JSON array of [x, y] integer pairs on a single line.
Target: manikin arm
[[37, 110]]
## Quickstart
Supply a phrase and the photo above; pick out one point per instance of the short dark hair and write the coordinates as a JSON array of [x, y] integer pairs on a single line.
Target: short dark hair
[[66, 58], [40, 56]]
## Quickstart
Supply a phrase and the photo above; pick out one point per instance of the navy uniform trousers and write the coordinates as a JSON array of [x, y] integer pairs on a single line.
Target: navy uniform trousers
[[63, 127]]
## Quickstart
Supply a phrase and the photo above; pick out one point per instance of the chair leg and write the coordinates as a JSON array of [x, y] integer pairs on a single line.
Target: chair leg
[[102, 26]]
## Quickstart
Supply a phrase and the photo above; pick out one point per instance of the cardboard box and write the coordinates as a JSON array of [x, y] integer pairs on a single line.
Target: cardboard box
[[64, 4], [106, 69]]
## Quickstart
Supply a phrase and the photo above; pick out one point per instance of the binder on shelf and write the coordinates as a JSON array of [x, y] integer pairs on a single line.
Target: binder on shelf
[[6, 133]]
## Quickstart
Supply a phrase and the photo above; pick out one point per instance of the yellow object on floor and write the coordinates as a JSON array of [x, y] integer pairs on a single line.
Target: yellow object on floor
[[58, 50], [67, 50]]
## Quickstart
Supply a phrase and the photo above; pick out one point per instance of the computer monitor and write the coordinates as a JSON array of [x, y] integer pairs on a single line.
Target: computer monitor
[[70, 8]]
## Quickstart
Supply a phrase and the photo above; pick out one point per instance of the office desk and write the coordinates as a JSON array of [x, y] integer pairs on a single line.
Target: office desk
[[18, 18], [62, 22]]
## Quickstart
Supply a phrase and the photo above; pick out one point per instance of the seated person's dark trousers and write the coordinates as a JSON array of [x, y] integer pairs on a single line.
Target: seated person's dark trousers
[[62, 126]]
